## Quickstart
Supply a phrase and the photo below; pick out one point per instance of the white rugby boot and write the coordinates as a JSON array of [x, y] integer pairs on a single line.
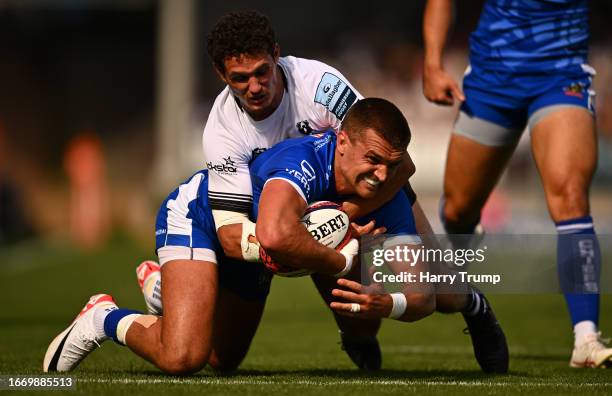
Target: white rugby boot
[[592, 353], [72, 345], [149, 280]]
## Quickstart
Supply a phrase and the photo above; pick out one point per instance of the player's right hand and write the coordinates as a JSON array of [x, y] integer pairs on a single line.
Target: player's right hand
[[440, 87]]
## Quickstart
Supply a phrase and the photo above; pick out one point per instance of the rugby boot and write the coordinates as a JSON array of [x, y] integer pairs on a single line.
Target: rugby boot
[[592, 353], [73, 344], [488, 339], [364, 352]]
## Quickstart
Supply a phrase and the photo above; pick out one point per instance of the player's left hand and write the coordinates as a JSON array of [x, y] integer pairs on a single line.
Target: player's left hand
[[370, 229], [364, 302]]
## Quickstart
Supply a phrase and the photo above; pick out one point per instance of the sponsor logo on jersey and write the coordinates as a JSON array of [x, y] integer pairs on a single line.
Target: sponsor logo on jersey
[[161, 231], [304, 127], [335, 94], [227, 168], [325, 229], [308, 170], [302, 179], [574, 89], [319, 143]]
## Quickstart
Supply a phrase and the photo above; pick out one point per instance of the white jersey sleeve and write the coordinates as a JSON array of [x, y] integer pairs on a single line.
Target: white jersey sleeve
[[227, 160], [320, 90]]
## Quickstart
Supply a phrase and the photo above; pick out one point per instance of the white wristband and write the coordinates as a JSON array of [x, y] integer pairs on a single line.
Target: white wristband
[[250, 250], [399, 305], [349, 252]]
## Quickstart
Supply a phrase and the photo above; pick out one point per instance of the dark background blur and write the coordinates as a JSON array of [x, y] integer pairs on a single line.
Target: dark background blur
[[91, 68]]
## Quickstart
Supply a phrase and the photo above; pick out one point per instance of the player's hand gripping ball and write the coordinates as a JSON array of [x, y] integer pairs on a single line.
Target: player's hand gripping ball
[[327, 223]]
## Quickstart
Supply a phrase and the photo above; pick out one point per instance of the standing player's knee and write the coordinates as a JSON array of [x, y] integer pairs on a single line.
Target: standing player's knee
[[568, 201], [458, 211]]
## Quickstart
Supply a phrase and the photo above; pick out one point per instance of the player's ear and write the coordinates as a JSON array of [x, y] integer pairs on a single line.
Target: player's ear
[[342, 142], [220, 73], [276, 54]]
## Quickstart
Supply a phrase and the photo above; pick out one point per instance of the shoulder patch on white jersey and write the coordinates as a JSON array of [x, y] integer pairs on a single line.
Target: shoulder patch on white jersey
[[335, 94]]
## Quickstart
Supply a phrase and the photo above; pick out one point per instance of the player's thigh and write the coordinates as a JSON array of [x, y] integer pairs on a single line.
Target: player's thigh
[[243, 290], [189, 299], [483, 140], [472, 170], [564, 145]]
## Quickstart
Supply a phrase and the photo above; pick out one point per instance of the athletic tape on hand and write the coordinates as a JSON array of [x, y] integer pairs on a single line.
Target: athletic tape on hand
[[399, 305], [250, 250], [349, 252]]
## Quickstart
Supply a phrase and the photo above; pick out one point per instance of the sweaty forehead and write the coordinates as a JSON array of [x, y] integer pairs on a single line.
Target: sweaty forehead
[[372, 142]]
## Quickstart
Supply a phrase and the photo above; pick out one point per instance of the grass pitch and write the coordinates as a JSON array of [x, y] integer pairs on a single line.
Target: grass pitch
[[296, 348]]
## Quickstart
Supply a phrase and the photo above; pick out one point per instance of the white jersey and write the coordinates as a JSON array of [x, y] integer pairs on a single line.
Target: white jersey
[[316, 98]]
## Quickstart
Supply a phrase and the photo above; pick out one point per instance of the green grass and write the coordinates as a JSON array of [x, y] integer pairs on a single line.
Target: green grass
[[296, 348]]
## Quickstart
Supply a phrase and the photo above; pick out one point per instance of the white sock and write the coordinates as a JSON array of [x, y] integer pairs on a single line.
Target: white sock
[[476, 306], [100, 314], [582, 330]]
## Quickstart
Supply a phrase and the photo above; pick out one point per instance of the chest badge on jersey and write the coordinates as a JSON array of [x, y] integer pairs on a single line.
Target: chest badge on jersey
[[335, 95]]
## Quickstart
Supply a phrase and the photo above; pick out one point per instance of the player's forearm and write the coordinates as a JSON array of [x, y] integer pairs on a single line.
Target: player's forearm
[[418, 306], [291, 244], [436, 23], [229, 237]]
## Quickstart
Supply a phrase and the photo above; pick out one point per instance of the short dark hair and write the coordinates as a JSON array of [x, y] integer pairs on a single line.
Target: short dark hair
[[381, 116], [239, 33]]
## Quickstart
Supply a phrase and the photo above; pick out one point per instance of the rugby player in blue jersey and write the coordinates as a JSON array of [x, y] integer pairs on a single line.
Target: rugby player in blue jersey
[[200, 324], [528, 68]]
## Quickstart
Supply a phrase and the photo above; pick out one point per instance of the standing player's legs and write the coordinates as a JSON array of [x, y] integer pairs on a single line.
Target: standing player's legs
[[482, 142], [564, 145]]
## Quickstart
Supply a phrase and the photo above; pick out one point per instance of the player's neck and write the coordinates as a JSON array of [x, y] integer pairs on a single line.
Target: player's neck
[[342, 186]]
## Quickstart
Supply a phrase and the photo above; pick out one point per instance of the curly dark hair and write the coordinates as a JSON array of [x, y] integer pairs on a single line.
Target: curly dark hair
[[237, 33]]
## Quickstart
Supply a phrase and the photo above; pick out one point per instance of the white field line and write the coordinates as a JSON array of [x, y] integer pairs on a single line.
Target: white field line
[[446, 349], [217, 381]]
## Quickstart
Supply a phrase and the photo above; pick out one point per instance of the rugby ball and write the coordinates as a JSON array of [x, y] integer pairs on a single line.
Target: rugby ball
[[327, 224]]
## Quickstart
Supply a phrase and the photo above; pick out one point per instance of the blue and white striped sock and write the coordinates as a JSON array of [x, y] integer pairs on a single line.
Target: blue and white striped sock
[[578, 268]]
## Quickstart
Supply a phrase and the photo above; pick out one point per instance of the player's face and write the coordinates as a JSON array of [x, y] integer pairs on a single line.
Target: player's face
[[365, 163], [256, 81]]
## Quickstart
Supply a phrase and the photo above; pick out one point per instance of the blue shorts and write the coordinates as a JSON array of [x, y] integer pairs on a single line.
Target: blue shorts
[[185, 230], [499, 106]]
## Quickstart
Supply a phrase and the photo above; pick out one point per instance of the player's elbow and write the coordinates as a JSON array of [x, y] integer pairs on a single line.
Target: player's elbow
[[272, 237]]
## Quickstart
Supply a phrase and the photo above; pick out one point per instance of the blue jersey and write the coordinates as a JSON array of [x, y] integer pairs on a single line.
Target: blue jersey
[[531, 36], [307, 164]]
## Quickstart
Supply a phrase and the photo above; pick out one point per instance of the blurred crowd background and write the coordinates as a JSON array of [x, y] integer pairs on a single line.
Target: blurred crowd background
[[102, 105]]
